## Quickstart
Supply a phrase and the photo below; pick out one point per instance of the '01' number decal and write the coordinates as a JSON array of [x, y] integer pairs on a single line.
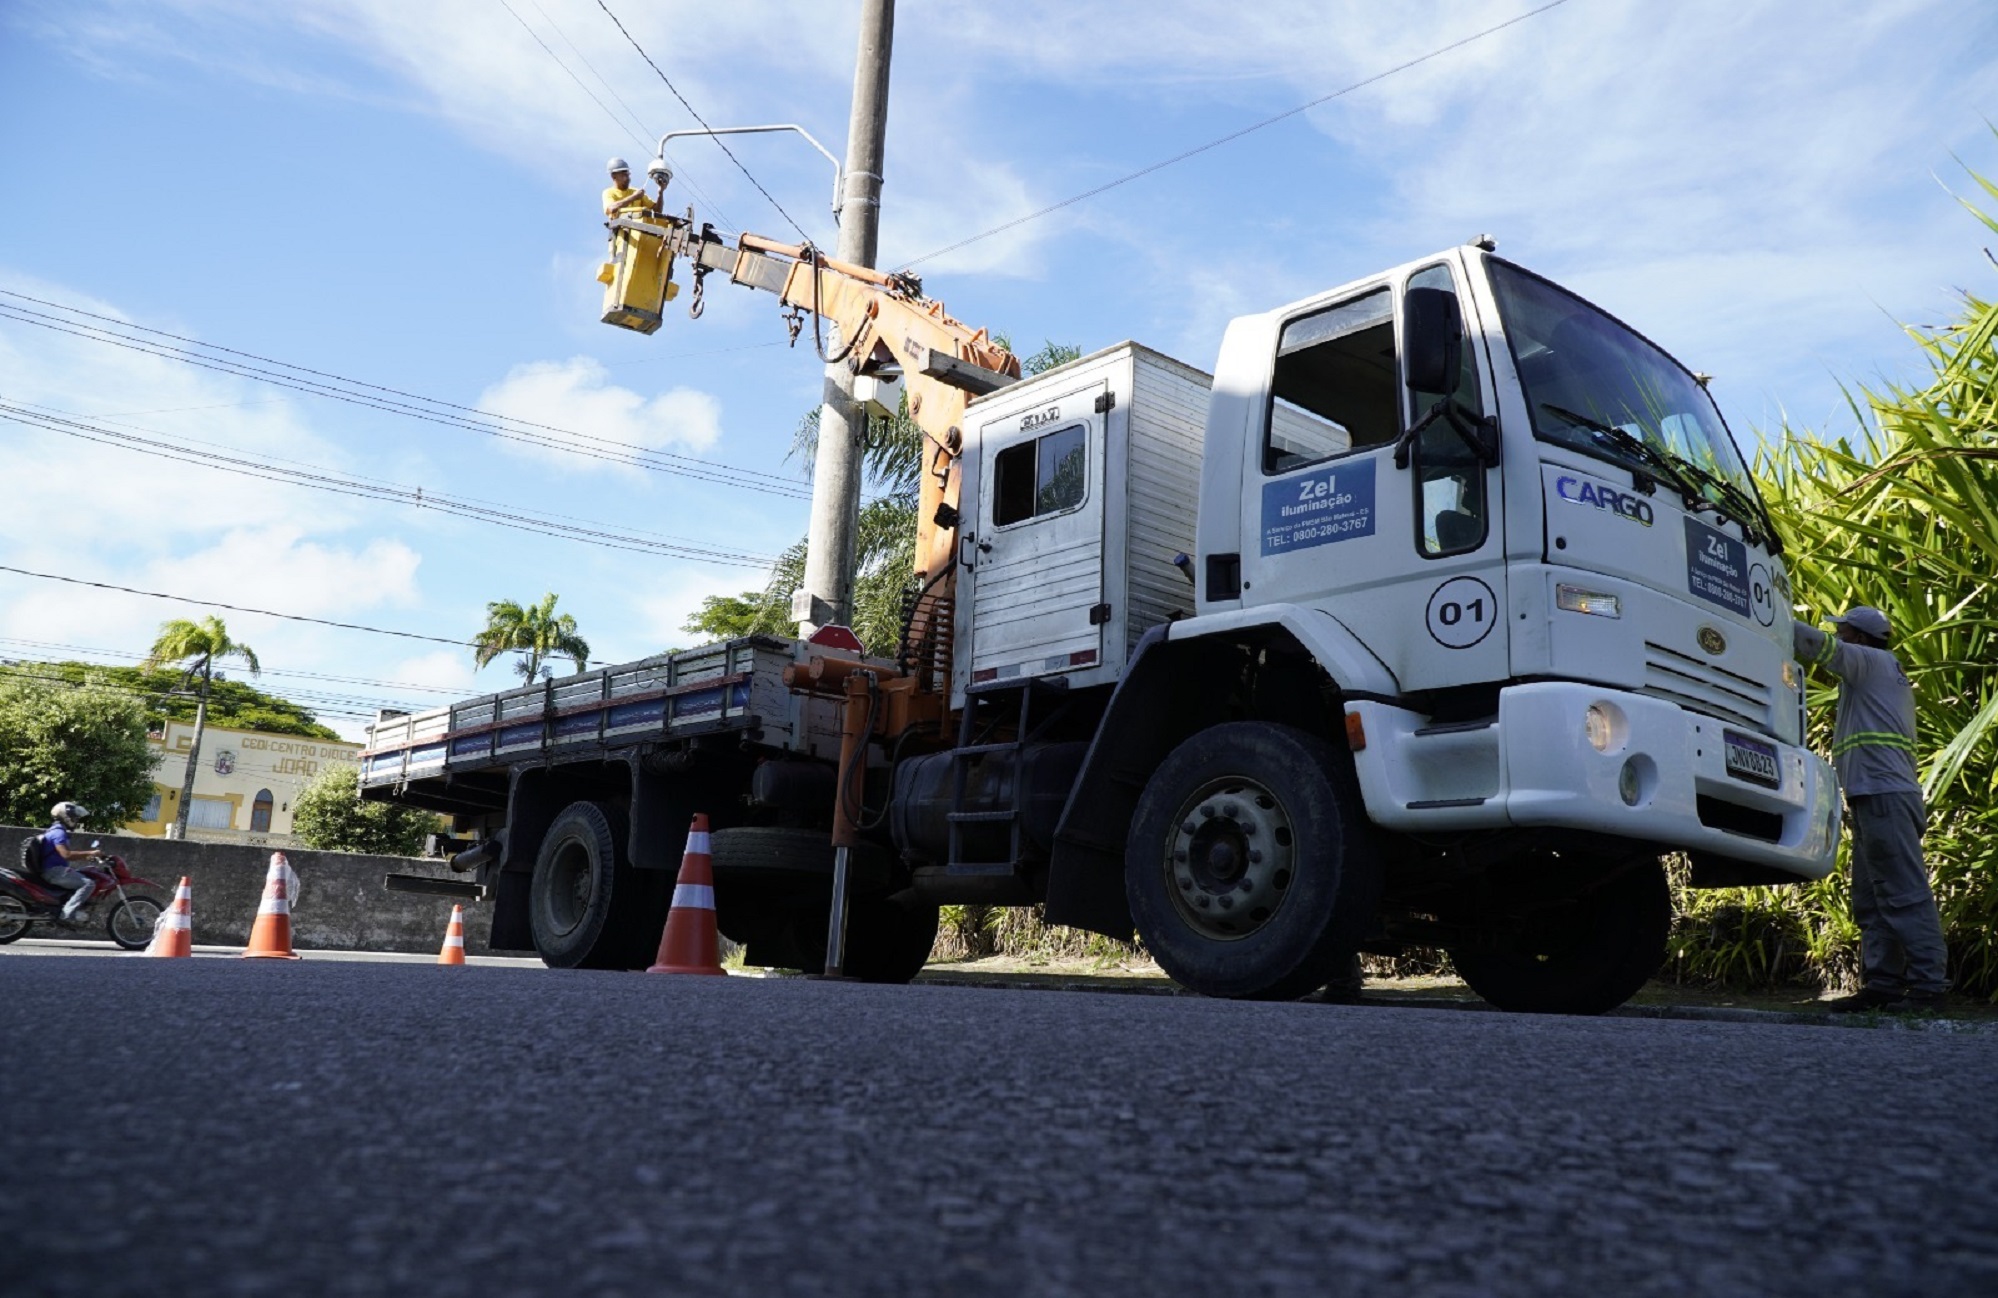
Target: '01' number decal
[[1462, 612]]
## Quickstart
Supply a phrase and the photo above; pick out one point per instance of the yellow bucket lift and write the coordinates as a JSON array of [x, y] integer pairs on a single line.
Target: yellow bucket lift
[[638, 278]]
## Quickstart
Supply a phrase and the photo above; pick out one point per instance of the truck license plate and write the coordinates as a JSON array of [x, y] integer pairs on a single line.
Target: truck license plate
[[1751, 760]]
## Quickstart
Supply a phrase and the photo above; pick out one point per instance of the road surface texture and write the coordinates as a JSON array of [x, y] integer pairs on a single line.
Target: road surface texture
[[237, 1128]]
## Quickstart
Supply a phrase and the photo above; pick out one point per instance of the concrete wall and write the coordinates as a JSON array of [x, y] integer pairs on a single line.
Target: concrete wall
[[340, 904]]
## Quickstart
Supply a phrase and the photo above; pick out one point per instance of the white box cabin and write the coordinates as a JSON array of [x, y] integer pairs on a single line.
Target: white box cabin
[[1080, 487]]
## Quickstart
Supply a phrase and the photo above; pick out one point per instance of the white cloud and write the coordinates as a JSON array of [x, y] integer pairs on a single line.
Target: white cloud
[[576, 395], [662, 610]]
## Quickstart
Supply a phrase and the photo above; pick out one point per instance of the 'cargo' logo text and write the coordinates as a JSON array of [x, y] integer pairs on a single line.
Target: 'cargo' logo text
[[1581, 491]]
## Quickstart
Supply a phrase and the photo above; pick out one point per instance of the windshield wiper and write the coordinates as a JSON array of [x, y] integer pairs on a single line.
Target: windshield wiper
[[1661, 467], [1688, 479], [1746, 509]]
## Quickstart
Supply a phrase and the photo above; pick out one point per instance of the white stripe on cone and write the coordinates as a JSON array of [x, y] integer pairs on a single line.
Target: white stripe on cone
[[698, 841], [695, 896]]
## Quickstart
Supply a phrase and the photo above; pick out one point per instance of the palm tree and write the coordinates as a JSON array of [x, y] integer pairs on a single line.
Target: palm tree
[[196, 647], [535, 632]]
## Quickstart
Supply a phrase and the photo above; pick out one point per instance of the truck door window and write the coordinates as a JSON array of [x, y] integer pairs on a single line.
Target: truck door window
[[1449, 481], [1334, 386], [1048, 475]]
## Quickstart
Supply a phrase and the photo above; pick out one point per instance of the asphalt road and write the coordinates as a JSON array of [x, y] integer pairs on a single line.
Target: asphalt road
[[343, 1128]]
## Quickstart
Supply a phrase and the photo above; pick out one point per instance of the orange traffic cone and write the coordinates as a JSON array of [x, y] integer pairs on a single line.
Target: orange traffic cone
[[691, 943], [173, 933], [270, 939], [454, 939]]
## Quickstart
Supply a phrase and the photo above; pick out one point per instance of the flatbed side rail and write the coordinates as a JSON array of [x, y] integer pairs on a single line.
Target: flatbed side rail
[[737, 684]]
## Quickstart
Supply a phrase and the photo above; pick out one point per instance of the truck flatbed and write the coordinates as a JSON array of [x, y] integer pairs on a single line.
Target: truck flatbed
[[446, 758]]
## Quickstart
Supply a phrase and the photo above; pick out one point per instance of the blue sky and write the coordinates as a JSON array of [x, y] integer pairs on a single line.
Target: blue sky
[[406, 195]]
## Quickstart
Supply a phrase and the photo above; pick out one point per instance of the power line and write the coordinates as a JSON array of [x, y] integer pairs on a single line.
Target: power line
[[238, 608], [391, 400], [388, 688], [1232, 136], [340, 484], [457, 691], [306, 464], [15, 671], [703, 121], [627, 127]]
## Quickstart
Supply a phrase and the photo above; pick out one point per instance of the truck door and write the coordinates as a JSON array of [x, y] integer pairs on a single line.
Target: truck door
[[1410, 559], [1035, 560]]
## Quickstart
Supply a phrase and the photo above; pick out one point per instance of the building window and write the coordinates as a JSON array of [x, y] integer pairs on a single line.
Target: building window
[[211, 813], [152, 811], [260, 813]]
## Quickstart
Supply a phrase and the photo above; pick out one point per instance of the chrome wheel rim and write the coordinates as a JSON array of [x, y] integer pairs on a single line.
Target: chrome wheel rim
[[135, 920], [1231, 857]]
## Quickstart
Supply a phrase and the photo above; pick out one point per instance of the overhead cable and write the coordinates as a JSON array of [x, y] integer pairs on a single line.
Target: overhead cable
[[634, 128], [341, 484], [704, 122], [239, 608], [14, 671], [455, 690], [1231, 137], [394, 401]]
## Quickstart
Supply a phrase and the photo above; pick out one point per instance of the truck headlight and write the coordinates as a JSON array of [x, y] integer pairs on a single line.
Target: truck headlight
[[1789, 674], [1594, 602], [1601, 728]]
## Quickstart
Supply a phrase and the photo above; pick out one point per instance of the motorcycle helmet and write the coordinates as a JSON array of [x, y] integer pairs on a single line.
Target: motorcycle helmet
[[70, 814]]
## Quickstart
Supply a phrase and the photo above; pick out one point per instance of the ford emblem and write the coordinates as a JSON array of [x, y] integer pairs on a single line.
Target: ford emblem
[[1712, 641]]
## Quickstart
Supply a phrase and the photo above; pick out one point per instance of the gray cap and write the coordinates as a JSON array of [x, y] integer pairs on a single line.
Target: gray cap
[[1869, 621]]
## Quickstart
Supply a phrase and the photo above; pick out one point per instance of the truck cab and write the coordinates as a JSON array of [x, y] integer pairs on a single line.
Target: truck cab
[[1515, 578]]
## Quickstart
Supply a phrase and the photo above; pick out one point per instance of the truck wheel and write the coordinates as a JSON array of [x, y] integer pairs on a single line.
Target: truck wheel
[[582, 886], [1585, 958], [888, 941], [1250, 866]]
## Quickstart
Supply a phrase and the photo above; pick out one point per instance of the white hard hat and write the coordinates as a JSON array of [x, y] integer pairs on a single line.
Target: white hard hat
[[618, 164]]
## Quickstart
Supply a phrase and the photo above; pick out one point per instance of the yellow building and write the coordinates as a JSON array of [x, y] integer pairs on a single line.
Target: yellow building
[[245, 787]]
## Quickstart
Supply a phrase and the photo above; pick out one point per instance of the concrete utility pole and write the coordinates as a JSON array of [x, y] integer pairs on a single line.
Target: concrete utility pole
[[827, 595]]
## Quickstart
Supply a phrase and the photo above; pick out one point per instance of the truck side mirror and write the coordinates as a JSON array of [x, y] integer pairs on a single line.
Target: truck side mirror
[[1432, 339]]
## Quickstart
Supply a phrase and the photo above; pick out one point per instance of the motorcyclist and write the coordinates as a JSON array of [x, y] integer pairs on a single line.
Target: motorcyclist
[[57, 856]]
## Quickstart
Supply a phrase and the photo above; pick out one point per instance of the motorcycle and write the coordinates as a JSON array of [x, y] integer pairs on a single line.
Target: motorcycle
[[26, 900]]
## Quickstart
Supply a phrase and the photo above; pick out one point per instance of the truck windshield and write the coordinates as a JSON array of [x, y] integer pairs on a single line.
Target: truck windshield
[[1593, 385]]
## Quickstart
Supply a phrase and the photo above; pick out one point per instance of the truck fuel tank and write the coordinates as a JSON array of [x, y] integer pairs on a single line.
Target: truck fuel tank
[[1031, 782]]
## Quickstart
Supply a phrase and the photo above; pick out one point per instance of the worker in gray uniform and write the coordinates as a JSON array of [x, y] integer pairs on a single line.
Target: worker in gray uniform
[[1902, 956]]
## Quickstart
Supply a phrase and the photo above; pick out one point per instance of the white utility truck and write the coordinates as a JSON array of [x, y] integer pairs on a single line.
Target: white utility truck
[[1437, 617]]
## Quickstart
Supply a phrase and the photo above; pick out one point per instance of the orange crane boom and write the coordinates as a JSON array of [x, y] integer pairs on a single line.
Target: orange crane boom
[[886, 329]]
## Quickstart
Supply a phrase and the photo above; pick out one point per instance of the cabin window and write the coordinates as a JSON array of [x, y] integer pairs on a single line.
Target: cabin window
[[1451, 512], [1334, 388], [1048, 475]]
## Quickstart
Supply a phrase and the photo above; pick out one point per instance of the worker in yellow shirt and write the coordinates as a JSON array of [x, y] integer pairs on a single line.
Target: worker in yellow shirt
[[621, 199]]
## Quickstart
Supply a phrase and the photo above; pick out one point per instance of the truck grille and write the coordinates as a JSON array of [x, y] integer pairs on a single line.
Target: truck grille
[[1703, 687]]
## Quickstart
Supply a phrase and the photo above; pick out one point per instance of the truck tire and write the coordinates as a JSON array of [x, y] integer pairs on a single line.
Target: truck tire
[[585, 900], [888, 940], [1587, 958], [1250, 866]]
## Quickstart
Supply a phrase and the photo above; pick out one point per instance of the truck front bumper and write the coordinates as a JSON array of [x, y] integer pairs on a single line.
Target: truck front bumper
[[1659, 776]]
